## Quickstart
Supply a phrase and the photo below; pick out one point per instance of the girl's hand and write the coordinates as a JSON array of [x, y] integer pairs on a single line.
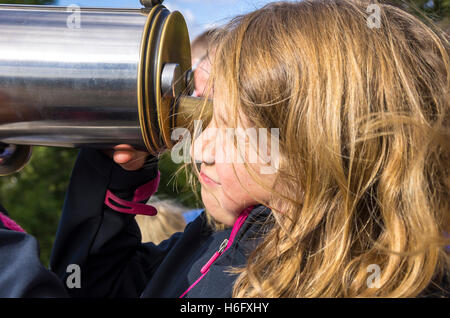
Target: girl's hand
[[128, 158]]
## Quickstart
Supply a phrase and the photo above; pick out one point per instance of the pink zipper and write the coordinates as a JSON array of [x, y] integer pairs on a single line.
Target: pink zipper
[[223, 247]]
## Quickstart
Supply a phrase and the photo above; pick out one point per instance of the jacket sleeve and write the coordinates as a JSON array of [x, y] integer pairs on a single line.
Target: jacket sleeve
[[105, 245], [21, 272]]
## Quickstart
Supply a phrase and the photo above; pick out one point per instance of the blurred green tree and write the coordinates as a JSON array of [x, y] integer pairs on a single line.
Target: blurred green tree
[[436, 10], [175, 183], [34, 196]]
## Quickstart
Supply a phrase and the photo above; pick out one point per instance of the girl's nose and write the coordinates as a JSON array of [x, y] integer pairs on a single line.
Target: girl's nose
[[203, 147]]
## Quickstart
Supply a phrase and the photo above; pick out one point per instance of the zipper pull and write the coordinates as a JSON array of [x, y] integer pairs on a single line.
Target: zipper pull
[[222, 247]]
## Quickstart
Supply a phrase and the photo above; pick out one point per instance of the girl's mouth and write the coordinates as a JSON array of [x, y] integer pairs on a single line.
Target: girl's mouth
[[207, 180]]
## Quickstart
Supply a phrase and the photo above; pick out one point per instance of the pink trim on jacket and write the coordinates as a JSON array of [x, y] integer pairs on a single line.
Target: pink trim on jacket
[[134, 207], [10, 224], [237, 225]]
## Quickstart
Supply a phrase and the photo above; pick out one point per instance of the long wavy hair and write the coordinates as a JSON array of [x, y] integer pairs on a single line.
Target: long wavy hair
[[362, 112]]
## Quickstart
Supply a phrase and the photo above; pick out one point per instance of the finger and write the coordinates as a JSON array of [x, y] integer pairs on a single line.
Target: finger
[[123, 153], [136, 163], [128, 157], [123, 156]]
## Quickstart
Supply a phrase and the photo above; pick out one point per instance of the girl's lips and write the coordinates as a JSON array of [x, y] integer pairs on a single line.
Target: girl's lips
[[207, 179]]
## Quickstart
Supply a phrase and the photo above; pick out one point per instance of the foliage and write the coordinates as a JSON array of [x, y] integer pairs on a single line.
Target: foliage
[[436, 10], [34, 196], [174, 183]]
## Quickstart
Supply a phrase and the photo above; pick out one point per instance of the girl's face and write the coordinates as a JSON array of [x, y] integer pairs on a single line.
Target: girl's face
[[227, 188]]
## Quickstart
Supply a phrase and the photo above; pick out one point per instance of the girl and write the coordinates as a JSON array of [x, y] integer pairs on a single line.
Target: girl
[[358, 204]]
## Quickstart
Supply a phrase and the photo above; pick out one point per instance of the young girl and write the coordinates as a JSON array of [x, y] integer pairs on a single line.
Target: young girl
[[358, 204]]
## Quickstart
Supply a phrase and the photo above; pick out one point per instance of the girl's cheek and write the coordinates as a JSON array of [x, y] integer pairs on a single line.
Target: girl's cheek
[[223, 174], [231, 179]]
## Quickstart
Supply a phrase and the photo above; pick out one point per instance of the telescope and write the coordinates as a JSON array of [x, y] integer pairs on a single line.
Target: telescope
[[92, 77]]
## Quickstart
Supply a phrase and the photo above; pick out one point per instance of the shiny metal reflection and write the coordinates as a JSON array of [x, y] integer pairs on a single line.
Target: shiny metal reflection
[[69, 87], [95, 83]]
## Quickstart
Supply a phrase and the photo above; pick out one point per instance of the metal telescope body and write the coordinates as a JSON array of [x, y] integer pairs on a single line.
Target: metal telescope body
[[96, 77]]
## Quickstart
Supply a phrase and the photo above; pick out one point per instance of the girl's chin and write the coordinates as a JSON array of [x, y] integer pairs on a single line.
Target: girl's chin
[[224, 211], [219, 213]]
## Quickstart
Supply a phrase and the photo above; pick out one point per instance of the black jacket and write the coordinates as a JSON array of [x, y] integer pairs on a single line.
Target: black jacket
[[106, 245], [21, 272]]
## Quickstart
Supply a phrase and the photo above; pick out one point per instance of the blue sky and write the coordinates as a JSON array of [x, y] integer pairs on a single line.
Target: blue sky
[[199, 14]]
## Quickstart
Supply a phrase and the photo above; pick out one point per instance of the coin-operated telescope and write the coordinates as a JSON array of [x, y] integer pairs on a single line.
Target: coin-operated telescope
[[92, 77]]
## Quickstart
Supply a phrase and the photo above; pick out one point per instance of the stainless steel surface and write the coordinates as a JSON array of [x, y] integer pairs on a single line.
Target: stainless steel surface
[[96, 77], [172, 80], [68, 84]]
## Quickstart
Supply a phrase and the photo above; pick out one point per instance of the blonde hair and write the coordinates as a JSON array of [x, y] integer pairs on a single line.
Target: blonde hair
[[160, 227], [200, 46], [364, 143]]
